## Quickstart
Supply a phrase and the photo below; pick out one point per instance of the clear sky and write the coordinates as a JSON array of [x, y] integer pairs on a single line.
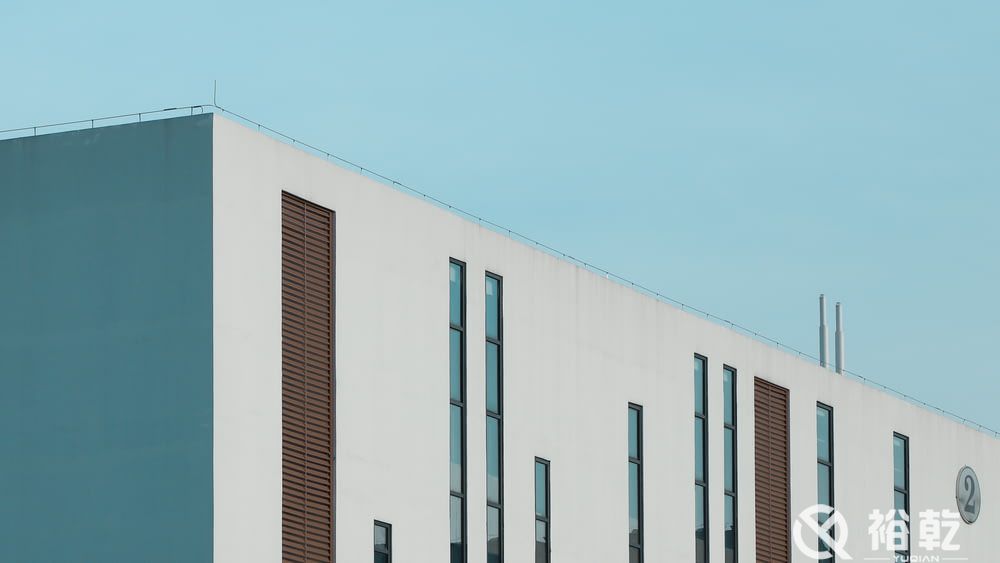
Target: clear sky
[[741, 157]]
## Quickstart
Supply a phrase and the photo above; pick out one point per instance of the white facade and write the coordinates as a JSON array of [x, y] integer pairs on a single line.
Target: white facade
[[577, 349]]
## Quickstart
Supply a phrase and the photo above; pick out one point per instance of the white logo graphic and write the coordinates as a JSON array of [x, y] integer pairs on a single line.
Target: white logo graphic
[[823, 521], [932, 524], [890, 530]]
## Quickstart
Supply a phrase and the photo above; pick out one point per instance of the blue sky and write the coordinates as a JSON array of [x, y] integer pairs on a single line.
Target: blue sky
[[742, 158]]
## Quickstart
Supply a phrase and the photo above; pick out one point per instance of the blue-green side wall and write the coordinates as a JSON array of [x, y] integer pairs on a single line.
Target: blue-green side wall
[[106, 344]]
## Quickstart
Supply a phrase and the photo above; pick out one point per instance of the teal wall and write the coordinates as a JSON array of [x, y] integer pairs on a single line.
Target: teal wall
[[106, 344]]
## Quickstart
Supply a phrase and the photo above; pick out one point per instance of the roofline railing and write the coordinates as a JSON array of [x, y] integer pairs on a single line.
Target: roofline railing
[[213, 108]]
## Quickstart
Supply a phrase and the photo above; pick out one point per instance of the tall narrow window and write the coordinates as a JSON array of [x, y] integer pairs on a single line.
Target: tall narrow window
[[308, 467], [700, 459], [634, 483], [494, 419], [901, 489], [729, 422], [456, 334], [383, 542], [542, 517], [824, 467]]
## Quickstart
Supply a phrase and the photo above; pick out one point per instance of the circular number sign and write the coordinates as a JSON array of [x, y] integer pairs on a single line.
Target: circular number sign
[[968, 495]]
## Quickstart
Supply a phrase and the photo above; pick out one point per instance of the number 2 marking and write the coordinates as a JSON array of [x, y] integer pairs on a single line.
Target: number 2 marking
[[970, 486]]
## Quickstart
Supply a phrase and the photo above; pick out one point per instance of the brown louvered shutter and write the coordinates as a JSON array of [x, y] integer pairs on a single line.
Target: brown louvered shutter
[[771, 477], [307, 382]]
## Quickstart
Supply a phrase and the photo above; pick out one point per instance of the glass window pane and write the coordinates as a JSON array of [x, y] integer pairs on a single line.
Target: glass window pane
[[699, 523], [455, 345], [492, 377], [382, 546], [455, 288], [730, 459], [633, 504], [381, 537], [633, 432], [541, 542], [899, 462], [822, 545], [456, 449], [699, 507], [456, 518], [824, 484], [730, 529], [492, 308], [699, 449], [823, 434], [729, 396], [492, 459], [541, 494], [492, 534], [899, 500], [634, 555], [699, 385]]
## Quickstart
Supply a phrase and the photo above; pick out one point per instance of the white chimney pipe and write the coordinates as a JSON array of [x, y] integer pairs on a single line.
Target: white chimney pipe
[[823, 340], [840, 340]]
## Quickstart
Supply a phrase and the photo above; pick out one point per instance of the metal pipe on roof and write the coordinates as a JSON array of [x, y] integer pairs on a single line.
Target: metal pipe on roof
[[823, 340], [840, 339]]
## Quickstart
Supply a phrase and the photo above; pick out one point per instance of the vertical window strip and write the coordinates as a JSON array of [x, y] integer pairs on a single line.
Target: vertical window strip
[[383, 542], [494, 418], [457, 355], [824, 466], [901, 487], [543, 517], [731, 481], [701, 458], [635, 535]]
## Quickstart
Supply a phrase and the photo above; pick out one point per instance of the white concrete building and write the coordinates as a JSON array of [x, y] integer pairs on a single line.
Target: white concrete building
[[207, 229]]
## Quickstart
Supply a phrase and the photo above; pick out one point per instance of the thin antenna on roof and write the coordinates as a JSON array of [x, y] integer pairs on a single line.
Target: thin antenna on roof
[[215, 92], [823, 342]]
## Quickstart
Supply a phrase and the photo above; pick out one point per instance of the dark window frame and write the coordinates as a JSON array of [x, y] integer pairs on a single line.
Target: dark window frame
[[461, 404], [547, 519], [829, 464], [905, 490], [733, 461], [388, 538], [497, 415], [703, 415], [640, 486]]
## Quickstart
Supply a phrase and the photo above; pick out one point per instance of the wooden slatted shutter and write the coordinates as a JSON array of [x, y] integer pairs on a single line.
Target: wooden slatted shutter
[[307, 381], [771, 477]]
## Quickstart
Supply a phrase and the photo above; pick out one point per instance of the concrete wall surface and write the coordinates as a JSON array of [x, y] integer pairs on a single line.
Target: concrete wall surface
[[106, 344], [578, 348]]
